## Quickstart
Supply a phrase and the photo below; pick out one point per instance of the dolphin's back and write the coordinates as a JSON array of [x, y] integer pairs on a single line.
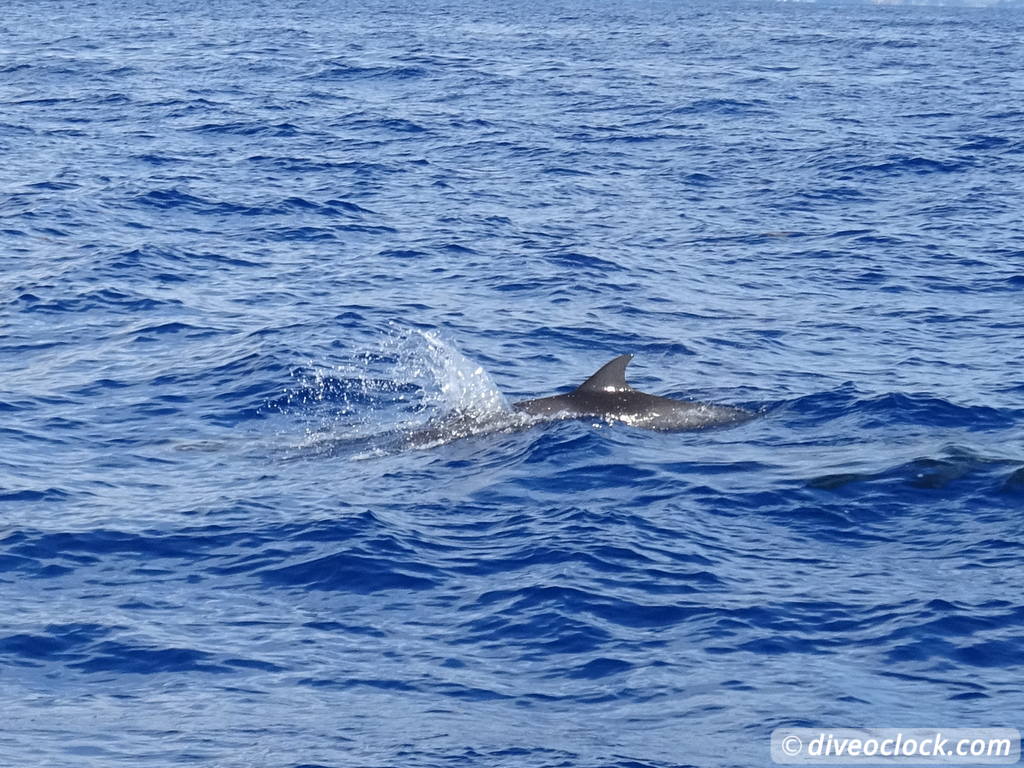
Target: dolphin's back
[[606, 395], [547, 406]]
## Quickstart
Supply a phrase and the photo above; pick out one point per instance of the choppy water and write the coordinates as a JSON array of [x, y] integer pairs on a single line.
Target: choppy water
[[246, 248]]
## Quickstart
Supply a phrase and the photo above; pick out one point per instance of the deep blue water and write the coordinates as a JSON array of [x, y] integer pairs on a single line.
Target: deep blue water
[[247, 247]]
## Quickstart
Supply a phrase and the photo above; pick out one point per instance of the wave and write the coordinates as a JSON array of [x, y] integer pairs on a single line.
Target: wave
[[894, 408], [345, 70]]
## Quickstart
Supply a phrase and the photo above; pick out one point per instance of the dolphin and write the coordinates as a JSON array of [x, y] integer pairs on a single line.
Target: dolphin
[[607, 396]]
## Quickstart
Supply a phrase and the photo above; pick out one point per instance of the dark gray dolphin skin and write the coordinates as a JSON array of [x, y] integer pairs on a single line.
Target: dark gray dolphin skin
[[607, 396]]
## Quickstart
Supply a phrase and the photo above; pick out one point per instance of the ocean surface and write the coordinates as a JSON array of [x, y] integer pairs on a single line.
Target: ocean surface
[[250, 251]]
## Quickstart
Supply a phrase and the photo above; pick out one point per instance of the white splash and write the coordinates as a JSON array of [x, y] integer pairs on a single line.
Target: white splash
[[462, 386], [413, 389]]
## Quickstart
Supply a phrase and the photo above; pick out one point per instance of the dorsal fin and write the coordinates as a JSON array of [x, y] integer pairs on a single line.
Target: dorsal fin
[[611, 377]]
